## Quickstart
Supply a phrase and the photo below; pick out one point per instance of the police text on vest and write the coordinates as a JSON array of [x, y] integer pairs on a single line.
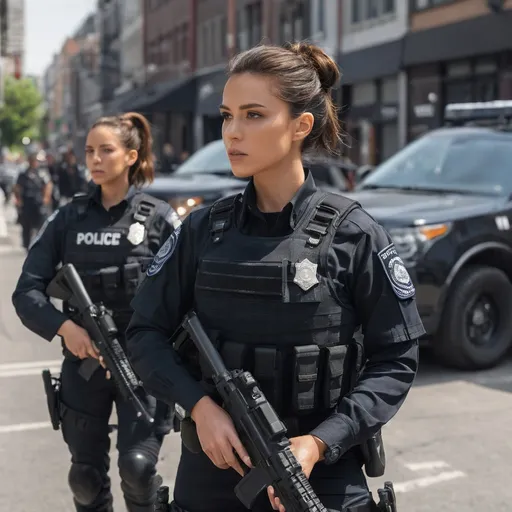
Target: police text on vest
[[98, 238]]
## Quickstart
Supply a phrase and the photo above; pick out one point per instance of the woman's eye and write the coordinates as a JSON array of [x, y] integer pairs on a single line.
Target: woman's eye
[[225, 115], [253, 115]]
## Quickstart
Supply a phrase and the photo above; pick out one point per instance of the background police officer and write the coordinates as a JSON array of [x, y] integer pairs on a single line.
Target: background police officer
[[281, 277], [110, 235], [33, 193]]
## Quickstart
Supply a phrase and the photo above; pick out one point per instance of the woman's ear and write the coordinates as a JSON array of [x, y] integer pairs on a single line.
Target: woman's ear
[[303, 126], [131, 157]]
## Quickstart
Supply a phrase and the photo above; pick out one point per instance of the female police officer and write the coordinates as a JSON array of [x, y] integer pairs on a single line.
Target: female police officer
[[110, 235], [281, 277]]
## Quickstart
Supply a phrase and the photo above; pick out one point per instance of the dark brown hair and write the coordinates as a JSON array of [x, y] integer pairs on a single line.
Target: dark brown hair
[[304, 75], [135, 133]]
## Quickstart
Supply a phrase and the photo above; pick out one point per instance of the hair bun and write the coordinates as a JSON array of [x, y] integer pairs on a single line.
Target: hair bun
[[326, 68]]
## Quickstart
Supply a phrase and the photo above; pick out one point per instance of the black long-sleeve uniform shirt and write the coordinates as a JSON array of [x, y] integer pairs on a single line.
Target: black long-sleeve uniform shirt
[[32, 305], [381, 301]]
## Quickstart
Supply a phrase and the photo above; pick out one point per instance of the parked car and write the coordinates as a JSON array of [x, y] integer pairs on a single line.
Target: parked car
[[446, 201], [206, 176]]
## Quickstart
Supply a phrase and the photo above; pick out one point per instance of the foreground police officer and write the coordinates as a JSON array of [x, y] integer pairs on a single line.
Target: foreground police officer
[[33, 193], [110, 235], [281, 277]]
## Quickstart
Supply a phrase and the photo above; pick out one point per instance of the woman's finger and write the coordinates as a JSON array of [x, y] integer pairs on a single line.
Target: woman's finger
[[271, 497]]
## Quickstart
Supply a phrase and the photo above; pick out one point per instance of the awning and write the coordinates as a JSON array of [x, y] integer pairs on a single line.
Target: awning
[[370, 63], [173, 95], [210, 86], [478, 36]]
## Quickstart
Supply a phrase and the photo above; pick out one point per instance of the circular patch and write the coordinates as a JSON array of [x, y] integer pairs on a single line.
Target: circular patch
[[396, 272], [164, 253]]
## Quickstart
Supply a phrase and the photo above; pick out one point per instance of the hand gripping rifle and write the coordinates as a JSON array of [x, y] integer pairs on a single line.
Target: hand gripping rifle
[[99, 324], [261, 431]]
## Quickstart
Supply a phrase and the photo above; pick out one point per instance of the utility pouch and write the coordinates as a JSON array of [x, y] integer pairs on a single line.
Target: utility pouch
[[269, 375], [333, 374], [305, 376], [110, 282], [131, 278]]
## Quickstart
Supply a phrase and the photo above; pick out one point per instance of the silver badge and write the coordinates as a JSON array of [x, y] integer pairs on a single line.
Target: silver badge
[[136, 233], [305, 274]]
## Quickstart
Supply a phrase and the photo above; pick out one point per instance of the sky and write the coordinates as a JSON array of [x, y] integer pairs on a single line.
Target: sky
[[47, 24]]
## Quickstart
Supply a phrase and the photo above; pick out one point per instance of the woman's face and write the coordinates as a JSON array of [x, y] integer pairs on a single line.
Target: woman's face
[[258, 131], [106, 157]]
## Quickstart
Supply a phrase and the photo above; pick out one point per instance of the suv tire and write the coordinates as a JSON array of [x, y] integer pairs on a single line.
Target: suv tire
[[453, 344]]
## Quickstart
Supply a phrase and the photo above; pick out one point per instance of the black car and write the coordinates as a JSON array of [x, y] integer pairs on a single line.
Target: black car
[[446, 200], [206, 176]]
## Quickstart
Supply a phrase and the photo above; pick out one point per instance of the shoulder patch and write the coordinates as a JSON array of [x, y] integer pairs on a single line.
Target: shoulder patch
[[43, 228], [396, 272], [164, 253]]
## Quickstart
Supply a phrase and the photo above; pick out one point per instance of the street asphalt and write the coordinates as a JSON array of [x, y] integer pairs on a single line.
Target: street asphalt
[[449, 448]]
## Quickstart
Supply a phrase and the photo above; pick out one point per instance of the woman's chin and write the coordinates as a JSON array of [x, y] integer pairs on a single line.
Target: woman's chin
[[242, 171], [98, 178]]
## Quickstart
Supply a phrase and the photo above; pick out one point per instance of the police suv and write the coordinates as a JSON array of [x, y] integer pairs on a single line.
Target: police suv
[[446, 200]]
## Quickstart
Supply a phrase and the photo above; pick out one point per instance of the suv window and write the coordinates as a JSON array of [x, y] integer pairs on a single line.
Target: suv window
[[465, 163]]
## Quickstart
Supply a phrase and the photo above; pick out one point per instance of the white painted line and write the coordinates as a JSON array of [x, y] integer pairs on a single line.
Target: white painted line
[[502, 379], [27, 372], [421, 466], [29, 364], [427, 481], [20, 427]]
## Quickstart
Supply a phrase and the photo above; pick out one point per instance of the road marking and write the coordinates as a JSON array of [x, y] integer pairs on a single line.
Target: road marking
[[427, 481], [28, 372], [421, 466], [29, 364], [20, 427], [28, 368]]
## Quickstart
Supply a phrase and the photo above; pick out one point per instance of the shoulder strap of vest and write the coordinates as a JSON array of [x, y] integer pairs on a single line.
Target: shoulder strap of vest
[[330, 209], [220, 216], [144, 207], [80, 200]]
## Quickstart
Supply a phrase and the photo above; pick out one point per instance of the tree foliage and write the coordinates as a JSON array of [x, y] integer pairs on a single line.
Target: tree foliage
[[21, 113]]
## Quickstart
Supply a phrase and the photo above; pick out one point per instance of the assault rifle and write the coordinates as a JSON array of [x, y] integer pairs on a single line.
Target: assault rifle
[[261, 431], [99, 324]]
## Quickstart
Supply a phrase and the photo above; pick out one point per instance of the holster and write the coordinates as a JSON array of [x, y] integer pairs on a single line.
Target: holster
[[374, 456], [52, 391]]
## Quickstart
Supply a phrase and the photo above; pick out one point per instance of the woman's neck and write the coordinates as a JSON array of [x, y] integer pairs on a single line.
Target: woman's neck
[[113, 193], [275, 187]]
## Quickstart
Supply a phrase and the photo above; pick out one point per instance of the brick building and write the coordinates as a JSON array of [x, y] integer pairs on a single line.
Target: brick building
[[456, 51], [374, 84]]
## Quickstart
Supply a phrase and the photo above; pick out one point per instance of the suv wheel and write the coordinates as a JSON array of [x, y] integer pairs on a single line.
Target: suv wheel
[[476, 328]]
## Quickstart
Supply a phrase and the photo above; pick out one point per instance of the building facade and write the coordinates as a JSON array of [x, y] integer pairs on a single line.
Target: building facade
[[226, 27], [109, 24], [132, 45], [12, 29], [85, 84], [167, 97], [374, 85], [446, 63]]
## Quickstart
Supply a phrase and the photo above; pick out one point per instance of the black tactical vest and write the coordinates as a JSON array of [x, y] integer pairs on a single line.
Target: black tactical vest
[[267, 301], [112, 260]]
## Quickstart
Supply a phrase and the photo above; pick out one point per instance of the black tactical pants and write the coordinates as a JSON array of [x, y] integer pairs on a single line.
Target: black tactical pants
[[30, 225], [86, 408], [340, 487]]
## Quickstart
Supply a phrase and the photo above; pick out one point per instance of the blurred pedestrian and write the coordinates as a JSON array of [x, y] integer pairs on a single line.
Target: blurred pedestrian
[[33, 194]]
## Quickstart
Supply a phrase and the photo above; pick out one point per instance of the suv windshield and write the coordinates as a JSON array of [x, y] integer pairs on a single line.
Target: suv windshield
[[212, 158], [476, 163]]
